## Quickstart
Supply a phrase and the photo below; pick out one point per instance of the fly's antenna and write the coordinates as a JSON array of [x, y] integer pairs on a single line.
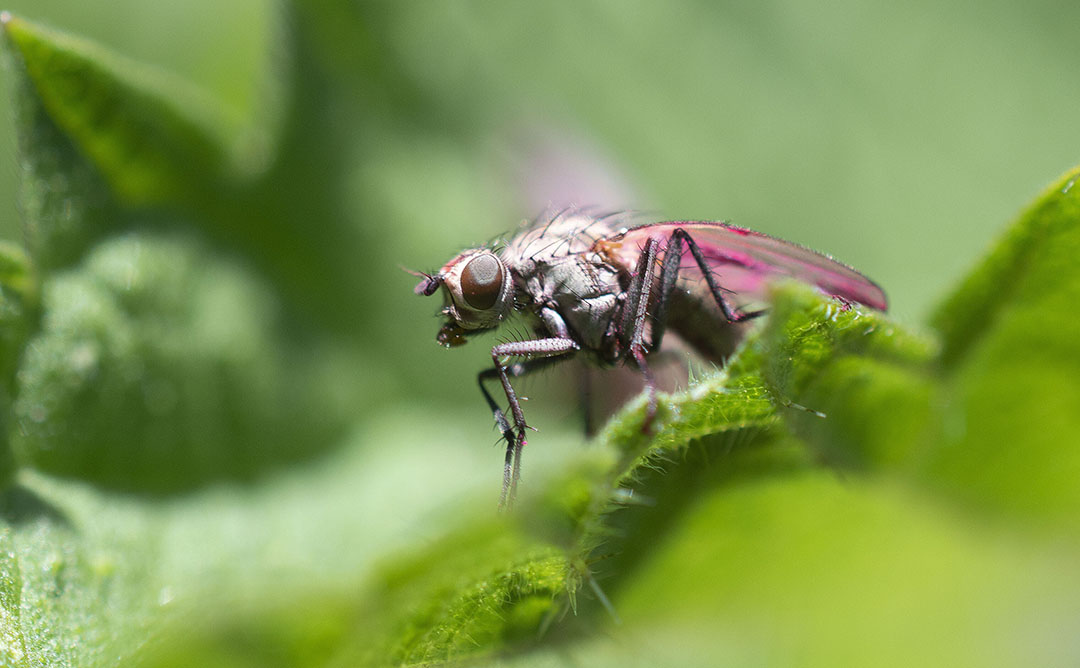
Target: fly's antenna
[[429, 283]]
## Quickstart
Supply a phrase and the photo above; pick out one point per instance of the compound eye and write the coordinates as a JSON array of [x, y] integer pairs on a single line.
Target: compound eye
[[482, 281]]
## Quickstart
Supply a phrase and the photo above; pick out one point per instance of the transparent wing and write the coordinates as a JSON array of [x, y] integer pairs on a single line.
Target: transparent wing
[[744, 262]]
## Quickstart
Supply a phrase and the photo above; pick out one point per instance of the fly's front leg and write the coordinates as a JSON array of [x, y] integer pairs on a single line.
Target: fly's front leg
[[669, 273], [534, 351], [515, 370], [500, 418]]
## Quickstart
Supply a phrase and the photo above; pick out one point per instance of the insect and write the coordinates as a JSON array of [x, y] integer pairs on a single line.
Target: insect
[[596, 286]]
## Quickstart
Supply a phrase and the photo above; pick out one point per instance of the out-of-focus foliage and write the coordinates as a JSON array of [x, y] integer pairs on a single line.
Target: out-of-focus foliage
[[225, 442], [161, 366]]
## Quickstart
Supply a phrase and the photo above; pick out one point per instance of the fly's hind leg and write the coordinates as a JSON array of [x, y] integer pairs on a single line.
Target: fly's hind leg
[[632, 329], [539, 353], [669, 273]]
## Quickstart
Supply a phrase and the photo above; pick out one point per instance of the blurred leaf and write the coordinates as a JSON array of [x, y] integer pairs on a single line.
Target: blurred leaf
[[107, 144], [292, 222], [89, 118], [746, 529], [1011, 360], [801, 568], [270, 574], [1028, 268], [160, 366], [64, 200], [18, 318], [141, 128]]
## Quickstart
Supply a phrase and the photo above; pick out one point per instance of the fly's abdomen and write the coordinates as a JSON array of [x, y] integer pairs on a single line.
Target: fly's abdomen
[[698, 321]]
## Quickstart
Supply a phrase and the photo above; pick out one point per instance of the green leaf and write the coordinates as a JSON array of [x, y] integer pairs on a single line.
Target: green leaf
[[803, 568], [270, 574], [1028, 269], [1011, 358], [492, 587], [859, 388], [476, 593], [161, 366], [18, 318], [64, 200], [107, 143], [744, 529], [154, 137], [97, 131], [19, 291], [12, 645]]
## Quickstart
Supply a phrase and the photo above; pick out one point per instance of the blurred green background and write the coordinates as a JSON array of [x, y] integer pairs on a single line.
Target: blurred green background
[[899, 138]]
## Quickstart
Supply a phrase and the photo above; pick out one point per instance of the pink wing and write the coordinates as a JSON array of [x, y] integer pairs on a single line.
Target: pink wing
[[744, 262]]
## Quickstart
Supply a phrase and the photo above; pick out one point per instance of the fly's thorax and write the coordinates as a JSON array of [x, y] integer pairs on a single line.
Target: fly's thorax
[[478, 293], [586, 295], [567, 233]]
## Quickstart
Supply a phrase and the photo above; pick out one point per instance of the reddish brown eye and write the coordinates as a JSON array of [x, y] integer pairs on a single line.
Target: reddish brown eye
[[481, 282]]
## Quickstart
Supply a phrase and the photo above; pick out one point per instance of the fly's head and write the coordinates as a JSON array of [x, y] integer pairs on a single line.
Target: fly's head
[[478, 292]]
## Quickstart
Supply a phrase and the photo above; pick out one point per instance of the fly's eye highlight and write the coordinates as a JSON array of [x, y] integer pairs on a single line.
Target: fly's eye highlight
[[482, 281]]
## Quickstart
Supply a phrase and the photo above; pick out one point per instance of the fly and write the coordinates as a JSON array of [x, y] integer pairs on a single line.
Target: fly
[[592, 286]]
